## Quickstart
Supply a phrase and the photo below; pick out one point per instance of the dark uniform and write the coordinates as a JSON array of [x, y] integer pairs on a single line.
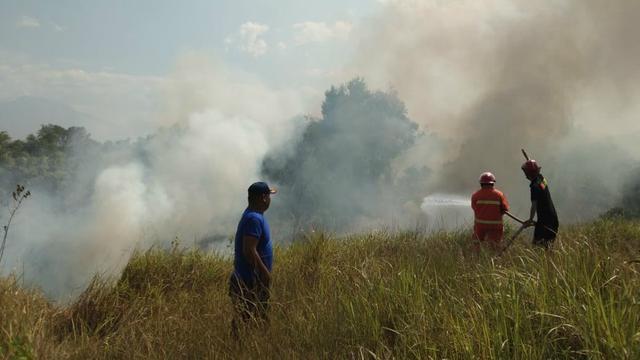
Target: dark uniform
[[547, 220]]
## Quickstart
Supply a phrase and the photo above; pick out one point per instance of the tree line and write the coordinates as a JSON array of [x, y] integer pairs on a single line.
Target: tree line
[[341, 164], [45, 159]]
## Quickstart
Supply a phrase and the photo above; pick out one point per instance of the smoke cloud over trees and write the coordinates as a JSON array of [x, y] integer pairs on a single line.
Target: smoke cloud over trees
[[340, 172], [448, 89]]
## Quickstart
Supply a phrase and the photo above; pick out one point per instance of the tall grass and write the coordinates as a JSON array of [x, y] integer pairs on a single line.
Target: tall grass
[[376, 295]]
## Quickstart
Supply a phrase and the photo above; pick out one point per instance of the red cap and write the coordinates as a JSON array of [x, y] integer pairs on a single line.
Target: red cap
[[531, 168]]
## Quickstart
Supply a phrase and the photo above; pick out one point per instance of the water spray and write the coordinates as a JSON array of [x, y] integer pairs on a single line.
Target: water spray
[[447, 210]]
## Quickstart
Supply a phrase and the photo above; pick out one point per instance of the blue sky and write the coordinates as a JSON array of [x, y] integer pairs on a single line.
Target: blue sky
[[144, 37], [57, 49], [110, 62]]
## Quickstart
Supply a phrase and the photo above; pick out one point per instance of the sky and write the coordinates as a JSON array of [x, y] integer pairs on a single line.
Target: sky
[[109, 60]]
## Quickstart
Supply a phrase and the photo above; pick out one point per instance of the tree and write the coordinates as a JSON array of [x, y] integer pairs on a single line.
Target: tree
[[47, 158], [343, 161]]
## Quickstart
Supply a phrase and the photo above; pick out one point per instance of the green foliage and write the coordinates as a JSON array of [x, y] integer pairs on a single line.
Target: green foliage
[[172, 271], [24, 315], [16, 348], [45, 159]]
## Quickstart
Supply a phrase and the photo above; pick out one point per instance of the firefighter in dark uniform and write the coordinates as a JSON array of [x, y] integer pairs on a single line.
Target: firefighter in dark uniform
[[546, 224]]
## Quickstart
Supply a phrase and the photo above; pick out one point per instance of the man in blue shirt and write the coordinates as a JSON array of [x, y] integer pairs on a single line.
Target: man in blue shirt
[[253, 258]]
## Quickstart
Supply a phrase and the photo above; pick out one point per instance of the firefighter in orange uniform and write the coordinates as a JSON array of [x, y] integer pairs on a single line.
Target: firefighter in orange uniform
[[488, 204]]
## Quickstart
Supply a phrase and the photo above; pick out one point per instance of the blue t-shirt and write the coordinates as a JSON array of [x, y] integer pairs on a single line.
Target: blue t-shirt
[[253, 224]]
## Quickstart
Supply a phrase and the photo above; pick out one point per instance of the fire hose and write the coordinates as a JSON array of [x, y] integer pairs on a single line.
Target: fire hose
[[522, 227], [512, 239]]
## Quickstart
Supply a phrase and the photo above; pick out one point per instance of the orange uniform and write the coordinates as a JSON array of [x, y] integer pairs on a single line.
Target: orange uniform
[[488, 205]]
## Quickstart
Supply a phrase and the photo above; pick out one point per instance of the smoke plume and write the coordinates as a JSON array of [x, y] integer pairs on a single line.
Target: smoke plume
[[187, 180], [340, 175], [490, 77], [465, 84]]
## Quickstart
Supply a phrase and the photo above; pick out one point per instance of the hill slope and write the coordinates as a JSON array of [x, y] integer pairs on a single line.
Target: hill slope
[[402, 295]]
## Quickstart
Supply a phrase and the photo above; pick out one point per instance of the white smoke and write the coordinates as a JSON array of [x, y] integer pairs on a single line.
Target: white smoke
[[188, 181], [561, 79], [484, 77]]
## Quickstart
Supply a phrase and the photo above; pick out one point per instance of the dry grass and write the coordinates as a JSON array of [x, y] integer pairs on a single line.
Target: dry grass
[[378, 295]]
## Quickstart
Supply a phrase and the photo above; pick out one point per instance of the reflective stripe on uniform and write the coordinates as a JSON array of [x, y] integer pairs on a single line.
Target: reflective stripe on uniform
[[489, 222], [488, 202]]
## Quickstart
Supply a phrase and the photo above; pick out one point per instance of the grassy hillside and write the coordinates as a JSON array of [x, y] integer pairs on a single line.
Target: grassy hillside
[[378, 295]]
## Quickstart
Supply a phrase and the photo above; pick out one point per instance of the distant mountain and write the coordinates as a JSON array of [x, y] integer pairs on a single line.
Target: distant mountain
[[25, 115]]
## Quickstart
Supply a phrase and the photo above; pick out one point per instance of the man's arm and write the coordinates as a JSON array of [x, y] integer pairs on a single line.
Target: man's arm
[[532, 214], [250, 252], [504, 204]]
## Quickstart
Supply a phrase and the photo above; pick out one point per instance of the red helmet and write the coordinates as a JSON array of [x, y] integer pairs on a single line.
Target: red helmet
[[531, 168], [487, 178]]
